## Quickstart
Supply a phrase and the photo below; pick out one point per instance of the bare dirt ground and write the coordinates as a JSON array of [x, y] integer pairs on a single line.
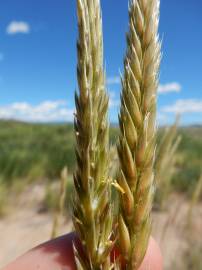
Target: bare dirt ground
[[25, 226]]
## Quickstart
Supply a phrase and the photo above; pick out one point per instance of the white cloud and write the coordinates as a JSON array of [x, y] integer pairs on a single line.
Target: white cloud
[[184, 106], [169, 87], [113, 100], [1, 56], [18, 27], [113, 80], [162, 89], [47, 111]]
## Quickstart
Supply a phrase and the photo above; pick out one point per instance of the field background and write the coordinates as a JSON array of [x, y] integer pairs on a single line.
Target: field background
[[32, 157]]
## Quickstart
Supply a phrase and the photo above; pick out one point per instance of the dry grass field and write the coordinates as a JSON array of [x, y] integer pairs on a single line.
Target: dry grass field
[[27, 224]]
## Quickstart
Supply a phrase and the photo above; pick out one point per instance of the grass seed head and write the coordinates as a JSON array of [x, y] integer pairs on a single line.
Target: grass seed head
[[92, 207], [137, 119]]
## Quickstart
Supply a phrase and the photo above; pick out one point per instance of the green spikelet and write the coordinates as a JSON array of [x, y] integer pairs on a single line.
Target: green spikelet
[[92, 215], [194, 200], [165, 161], [61, 203], [137, 119]]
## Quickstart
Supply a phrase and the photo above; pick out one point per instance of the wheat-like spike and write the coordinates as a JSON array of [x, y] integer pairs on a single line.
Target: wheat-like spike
[[194, 200], [61, 202], [165, 162], [92, 215], [166, 150], [137, 119]]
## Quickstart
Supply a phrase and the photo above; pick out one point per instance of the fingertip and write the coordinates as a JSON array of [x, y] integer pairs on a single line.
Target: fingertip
[[153, 259]]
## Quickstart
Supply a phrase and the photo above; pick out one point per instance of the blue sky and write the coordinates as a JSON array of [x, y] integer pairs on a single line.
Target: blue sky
[[38, 58]]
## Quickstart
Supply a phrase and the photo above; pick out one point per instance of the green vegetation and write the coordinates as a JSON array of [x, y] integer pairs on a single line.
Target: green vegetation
[[34, 151], [189, 159]]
